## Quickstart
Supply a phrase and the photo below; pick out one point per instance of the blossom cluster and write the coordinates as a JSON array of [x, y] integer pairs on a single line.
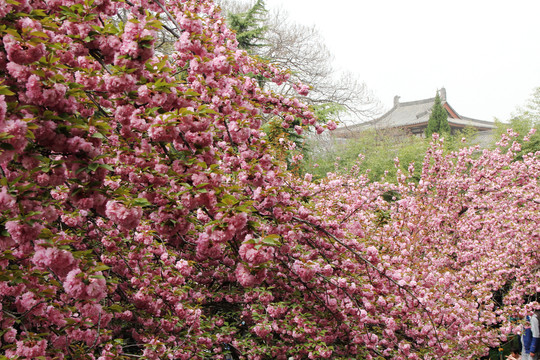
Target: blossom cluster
[[144, 214]]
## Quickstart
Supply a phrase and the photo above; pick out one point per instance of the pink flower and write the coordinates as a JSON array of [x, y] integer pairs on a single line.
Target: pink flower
[[331, 125], [27, 302], [7, 202], [261, 330], [85, 287], [61, 262], [20, 72], [120, 214], [92, 311], [22, 233], [3, 109], [115, 84], [77, 144], [184, 267], [221, 64], [10, 335], [302, 89], [244, 277], [159, 131], [254, 256], [304, 271], [22, 53], [31, 349]]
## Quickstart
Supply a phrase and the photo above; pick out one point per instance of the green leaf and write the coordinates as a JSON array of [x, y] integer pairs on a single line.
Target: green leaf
[[116, 308], [73, 85], [4, 90], [155, 23], [141, 202], [203, 109], [6, 146], [98, 135], [271, 240], [40, 34], [81, 254], [190, 92], [45, 234], [101, 268], [229, 200], [80, 170], [93, 166], [34, 213], [244, 208], [106, 166], [38, 13], [13, 32]]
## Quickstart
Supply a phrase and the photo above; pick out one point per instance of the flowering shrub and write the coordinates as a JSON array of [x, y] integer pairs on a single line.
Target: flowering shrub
[[142, 213]]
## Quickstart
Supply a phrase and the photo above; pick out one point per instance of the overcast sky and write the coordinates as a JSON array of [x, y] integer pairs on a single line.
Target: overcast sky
[[485, 53]]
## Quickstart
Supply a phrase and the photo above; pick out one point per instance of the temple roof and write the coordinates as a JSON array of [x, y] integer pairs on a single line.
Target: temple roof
[[415, 114]]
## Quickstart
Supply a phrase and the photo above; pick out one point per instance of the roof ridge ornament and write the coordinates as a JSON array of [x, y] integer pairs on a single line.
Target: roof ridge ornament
[[442, 93]]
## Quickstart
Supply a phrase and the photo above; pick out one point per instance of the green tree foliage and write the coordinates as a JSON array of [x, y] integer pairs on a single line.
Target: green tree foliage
[[249, 26], [460, 139], [286, 144], [438, 120], [522, 122], [376, 151], [372, 151], [531, 110]]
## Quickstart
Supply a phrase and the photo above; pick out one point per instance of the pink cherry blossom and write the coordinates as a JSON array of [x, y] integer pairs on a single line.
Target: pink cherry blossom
[[145, 213], [61, 262], [83, 287], [119, 213]]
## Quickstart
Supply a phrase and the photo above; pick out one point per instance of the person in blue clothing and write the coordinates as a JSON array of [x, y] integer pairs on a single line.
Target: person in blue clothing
[[530, 339]]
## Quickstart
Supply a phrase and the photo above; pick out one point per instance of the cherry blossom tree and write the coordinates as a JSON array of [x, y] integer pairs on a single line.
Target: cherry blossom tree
[[143, 214]]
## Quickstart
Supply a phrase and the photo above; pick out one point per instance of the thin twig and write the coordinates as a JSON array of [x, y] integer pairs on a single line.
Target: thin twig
[[55, 276], [98, 328], [100, 60], [186, 143], [171, 31], [10, 314], [229, 133], [171, 18], [88, 93]]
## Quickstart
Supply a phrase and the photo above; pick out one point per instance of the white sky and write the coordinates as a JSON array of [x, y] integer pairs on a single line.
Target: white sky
[[485, 53]]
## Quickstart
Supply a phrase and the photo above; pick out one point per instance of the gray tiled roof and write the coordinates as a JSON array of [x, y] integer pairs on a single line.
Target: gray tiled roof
[[418, 112], [415, 113], [406, 114]]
